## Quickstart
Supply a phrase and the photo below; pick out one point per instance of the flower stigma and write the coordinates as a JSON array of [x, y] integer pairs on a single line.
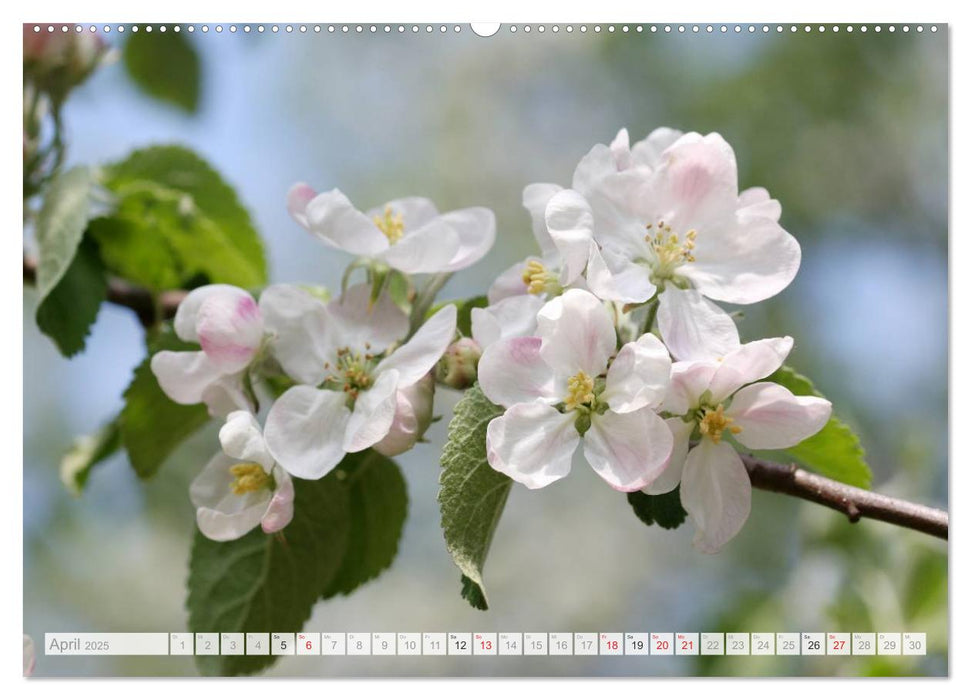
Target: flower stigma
[[352, 371], [391, 225], [715, 422]]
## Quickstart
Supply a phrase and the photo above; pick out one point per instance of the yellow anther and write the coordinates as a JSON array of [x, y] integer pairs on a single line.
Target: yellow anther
[[537, 278], [715, 422], [352, 372], [580, 390], [249, 477], [391, 225], [670, 250]]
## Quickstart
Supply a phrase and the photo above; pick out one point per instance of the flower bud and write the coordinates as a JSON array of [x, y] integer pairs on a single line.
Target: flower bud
[[412, 417], [458, 367], [60, 60]]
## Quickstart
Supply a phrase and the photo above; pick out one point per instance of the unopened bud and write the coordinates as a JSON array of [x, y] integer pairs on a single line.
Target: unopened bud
[[59, 60], [458, 367], [412, 416]]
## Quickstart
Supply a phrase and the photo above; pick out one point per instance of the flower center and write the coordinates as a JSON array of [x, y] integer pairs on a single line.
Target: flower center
[[352, 372], [538, 279], [391, 225], [715, 422], [249, 477], [669, 250], [579, 391]]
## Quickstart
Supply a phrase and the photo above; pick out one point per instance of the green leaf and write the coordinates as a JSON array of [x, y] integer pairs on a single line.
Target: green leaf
[[60, 225], [165, 66], [87, 452], [177, 211], [68, 310], [664, 510], [378, 501], [473, 494], [835, 451], [152, 425], [269, 583]]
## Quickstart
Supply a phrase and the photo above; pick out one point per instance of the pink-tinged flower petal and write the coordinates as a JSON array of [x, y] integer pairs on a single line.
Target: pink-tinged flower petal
[[30, 656], [639, 376], [772, 417], [578, 334], [671, 475], [535, 199], [356, 323], [230, 329], [242, 438], [614, 276], [596, 165], [748, 260], [305, 431], [647, 153], [412, 416], [332, 218], [749, 363], [569, 220], [184, 376], [689, 380], [221, 514], [415, 359], [532, 443], [511, 371], [514, 317], [373, 413], [509, 283], [693, 328], [476, 231], [628, 450], [755, 201], [187, 315], [717, 494], [279, 511], [620, 150], [427, 249], [298, 324], [415, 212], [298, 197]]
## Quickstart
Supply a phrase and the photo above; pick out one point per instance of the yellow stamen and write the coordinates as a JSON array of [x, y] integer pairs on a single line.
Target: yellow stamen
[[537, 278], [249, 477], [391, 225], [580, 388], [715, 422], [669, 249], [352, 371]]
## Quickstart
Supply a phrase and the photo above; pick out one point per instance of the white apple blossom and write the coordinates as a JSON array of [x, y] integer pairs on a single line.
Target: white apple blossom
[[350, 376], [678, 226], [569, 384], [405, 234], [242, 486], [710, 401]]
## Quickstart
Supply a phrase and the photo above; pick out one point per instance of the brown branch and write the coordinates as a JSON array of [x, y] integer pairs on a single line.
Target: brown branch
[[122, 293], [853, 502]]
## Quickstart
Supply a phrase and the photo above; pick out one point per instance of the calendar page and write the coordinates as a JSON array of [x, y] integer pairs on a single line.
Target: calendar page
[[485, 350]]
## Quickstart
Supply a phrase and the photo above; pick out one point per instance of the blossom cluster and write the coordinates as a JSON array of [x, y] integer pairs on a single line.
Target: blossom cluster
[[612, 338]]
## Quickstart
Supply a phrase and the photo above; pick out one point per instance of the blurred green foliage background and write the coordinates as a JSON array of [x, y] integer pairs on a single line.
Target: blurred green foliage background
[[848, 131]]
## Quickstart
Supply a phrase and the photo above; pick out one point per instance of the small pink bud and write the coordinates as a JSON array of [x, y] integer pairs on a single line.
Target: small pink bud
[[412, 417], [458, 367]]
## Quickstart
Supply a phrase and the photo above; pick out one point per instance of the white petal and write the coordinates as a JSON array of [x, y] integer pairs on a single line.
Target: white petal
[[628, 450], [620, 150], [412, 416], [598, 164], [577, 334], [333, 219], [511, 371], [745, 261], [532, 443], [614, 276], [242, 438], [772, 418], [279, 511], [535, 198], [360, 324], [298, 198], [415, 212], [427, 249], [230, 329], [514, 317], [689, 380], [639, 375], [226, 395], [716, 492], [671, 476], [569, 220], [305, 431], [647, 153], [373, 413], [297, 321], [476, 231], [509, 283], [184, 376], [755, 201], [749, 363], [220, 514], [187, 315], [693, 328], [415, 359]]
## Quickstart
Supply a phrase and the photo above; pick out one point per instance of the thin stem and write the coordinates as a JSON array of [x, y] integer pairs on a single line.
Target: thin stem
[[651, 315], [425, 299]]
